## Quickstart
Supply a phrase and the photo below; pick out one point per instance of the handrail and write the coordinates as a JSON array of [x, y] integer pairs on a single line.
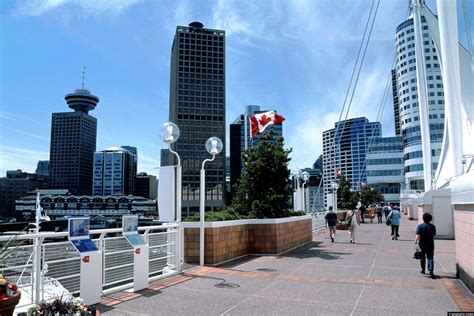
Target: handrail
[[92, 232]]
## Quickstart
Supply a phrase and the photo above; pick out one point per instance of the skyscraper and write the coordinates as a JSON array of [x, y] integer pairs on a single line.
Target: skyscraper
[[406, 79], [197, 106], [42, 168], [345, 151], [114, 172], [73, 141], [237, 140]]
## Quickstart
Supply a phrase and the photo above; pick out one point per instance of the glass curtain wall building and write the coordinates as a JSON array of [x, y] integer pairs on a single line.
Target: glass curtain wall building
[[197, 106], [114, 172], [345, 151], [385, 167], [406, 79]]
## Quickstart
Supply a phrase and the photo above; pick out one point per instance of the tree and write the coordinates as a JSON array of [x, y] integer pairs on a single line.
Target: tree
[[346, 199], [263, 189], [370, 196]]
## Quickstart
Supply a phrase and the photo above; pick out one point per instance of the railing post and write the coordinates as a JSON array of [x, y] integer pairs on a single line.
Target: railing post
[[37, 270], [102, 249]]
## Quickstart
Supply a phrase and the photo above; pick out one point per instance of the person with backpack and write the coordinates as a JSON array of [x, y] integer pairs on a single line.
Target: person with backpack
[[425, 238], [394, 218], [331, 220], [352, 220]]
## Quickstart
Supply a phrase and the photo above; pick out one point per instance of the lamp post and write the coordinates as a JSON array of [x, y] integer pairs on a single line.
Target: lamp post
[[170, 134], [305, 177], [335, 186], [213, 147]]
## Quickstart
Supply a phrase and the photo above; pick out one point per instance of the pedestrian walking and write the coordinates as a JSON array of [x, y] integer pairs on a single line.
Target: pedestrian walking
[[379, 213], [331, 220], [352, 220], [362, 211], [425, 238], [386, 210], [394, 218]]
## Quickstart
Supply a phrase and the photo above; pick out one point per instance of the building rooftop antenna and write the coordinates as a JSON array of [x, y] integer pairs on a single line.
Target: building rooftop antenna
[[83, 76]]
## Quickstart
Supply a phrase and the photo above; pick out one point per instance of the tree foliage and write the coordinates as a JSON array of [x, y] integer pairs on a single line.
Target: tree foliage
[[263, 189], [348, 199]]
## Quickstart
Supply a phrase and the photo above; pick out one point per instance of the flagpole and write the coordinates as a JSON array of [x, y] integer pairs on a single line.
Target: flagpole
[[245, 127]]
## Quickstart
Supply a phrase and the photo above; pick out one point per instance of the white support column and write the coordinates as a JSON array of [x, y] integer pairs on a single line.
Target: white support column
[[448, 27], [423, 106]]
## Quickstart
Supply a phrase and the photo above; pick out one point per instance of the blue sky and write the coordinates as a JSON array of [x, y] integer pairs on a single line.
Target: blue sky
[[293, 56]]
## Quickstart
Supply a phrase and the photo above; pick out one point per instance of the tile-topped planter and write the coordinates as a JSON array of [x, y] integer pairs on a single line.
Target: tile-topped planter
[[231, 239]]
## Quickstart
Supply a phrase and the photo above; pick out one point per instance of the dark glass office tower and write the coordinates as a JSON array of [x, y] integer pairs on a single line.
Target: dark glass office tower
[[197, 106], [73, 141]]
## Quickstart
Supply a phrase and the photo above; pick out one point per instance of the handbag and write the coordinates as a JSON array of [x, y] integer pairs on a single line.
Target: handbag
[[418, 253], [388, 222], [349, 221]]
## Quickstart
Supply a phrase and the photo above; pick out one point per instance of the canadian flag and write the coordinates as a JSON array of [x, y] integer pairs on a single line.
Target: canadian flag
[[259, 122]]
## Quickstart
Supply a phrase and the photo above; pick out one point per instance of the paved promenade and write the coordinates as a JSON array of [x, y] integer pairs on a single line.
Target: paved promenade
[[375, 276]]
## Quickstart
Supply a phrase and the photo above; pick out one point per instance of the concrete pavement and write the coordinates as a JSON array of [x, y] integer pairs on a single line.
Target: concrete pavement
[[372, 277]]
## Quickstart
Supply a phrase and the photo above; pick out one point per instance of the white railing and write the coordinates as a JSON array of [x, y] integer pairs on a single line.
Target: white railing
[[60, 261]]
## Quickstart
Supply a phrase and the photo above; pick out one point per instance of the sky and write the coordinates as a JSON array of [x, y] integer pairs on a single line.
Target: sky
[[293, 56]]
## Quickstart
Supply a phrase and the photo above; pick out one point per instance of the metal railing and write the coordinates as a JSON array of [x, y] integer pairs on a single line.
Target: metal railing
[[60, 261]]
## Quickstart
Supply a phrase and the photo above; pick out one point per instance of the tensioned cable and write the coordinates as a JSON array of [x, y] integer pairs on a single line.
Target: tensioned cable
[[382, 105], [358, 73], [355, 65], [379, 116], [467, 26]]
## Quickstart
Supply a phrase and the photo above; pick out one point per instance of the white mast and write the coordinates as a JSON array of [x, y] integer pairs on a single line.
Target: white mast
[[422, 95], [448, 27]]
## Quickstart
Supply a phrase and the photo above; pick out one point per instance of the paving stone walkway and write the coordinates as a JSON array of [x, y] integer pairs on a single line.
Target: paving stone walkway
[[375, 276]]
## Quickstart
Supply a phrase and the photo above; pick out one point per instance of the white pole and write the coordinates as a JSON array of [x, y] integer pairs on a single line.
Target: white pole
[[448, 29], [180, 238], [422, 95], [304, 197], [202, 202], [245, 128]]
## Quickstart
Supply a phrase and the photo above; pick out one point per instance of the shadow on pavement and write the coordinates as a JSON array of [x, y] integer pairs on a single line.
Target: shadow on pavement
[[311, 250]]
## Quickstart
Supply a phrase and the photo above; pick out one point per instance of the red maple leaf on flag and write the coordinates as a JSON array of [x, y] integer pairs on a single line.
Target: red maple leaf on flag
[[264, 120]]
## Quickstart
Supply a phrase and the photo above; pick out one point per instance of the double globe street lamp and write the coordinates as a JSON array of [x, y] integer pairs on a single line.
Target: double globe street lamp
[[170, 134], [214, 147]]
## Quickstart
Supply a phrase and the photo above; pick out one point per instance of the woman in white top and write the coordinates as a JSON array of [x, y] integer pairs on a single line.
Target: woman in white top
[[354, 217]]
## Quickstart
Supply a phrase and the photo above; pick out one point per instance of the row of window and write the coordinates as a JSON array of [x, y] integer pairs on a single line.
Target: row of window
[[381, 173], [385, 161]]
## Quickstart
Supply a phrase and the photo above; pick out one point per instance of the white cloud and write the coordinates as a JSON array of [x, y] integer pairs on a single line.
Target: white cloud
[[89, 7], [12, 158]]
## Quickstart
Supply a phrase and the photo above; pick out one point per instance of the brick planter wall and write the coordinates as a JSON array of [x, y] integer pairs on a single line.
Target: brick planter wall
[[232, 239]]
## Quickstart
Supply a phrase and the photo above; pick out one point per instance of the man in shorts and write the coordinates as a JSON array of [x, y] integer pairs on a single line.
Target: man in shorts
[[331, 220]]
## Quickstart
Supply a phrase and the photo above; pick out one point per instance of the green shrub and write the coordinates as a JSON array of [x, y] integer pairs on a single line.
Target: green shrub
[[224, 215]]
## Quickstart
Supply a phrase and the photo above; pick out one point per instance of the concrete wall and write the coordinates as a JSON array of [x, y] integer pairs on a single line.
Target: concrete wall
[[232, 239]]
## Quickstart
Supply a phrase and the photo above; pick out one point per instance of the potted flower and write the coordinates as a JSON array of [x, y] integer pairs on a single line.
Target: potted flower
[[9, 296], [9, 292], [61, 306]]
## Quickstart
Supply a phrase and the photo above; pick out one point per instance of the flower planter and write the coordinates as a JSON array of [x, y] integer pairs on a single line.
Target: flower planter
[[7, 306]]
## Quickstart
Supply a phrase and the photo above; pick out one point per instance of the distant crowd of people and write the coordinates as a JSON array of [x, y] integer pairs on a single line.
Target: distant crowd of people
[[425, 232]]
